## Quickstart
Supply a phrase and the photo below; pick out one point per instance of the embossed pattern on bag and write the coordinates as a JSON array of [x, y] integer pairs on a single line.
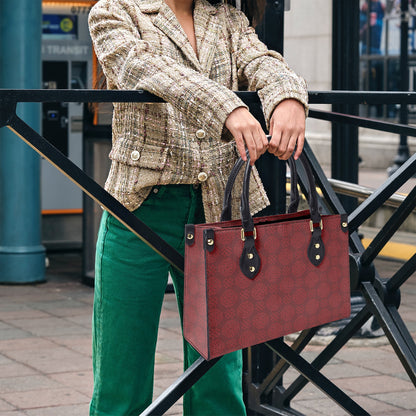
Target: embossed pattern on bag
[[224, 310]]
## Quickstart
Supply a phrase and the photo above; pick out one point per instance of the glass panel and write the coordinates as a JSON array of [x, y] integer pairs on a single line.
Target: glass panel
[[363, 109], [393, 27], [380, 50], [78, 75], [412, 87], [393, 84], [372, 27], [412, 29], [376, 83]]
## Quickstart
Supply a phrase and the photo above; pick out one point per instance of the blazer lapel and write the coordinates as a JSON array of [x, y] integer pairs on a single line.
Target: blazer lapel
[[206, 32], [167, 22]]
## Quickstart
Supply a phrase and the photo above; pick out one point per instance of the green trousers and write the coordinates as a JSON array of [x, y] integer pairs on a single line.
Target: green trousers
[[130, 283]]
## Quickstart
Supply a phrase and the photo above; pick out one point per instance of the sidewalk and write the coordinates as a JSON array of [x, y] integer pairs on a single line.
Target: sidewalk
[[45, 359]]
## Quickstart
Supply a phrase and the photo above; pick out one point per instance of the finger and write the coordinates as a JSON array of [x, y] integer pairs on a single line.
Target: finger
[[264, 140], [275, 141], [261, 141], [251, 146], [241, 148], [300, 144], [288, 151], [283, 145]]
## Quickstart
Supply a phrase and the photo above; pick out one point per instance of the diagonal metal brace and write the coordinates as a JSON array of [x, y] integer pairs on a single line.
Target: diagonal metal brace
[[173, 393], [139, 228], [389, 228], [7, 111], [94, 190], [404, 346], [317, 378]]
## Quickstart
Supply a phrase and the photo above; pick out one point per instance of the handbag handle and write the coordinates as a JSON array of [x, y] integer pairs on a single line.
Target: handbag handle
[[226, 207], [250, 260], [246, 217], [294, 193]]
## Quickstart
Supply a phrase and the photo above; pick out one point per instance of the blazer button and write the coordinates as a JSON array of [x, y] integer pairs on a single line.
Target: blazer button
[[200, 134], [202, 176], [135, 155]]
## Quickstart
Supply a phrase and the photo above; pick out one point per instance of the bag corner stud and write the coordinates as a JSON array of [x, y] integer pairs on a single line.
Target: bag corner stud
[[190, 234], [209, 240], [344, 222]]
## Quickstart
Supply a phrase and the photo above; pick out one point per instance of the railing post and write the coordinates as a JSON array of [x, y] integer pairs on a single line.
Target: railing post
[[22, 257], [345, 62], [403, 152], [272, 170]]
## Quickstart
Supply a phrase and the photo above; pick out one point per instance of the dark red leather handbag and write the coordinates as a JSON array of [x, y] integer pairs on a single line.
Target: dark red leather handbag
[[252, 280]]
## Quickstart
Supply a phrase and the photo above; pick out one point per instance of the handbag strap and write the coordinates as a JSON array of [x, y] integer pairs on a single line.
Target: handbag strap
[[226, 207], [250, 260], [246, 217], [294, 193], [313, 194]]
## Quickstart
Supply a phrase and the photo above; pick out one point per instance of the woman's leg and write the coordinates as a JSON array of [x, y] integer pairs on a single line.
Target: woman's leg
[[129, 288], [219, 391], [130, 284]]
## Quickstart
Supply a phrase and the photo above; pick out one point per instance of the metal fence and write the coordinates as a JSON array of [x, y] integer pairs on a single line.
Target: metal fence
[[382, 297]]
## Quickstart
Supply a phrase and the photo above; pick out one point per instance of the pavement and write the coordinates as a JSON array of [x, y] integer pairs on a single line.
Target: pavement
[[45, 351]]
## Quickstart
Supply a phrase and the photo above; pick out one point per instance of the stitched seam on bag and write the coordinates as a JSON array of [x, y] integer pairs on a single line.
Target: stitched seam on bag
[[207, 305]]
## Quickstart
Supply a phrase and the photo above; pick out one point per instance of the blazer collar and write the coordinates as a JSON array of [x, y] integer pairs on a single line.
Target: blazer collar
[[150, 6], [206, 30]]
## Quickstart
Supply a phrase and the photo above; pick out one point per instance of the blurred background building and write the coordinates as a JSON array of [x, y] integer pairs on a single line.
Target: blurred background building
[[68, 62]]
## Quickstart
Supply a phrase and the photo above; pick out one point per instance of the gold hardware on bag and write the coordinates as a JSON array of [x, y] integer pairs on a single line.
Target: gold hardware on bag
[[243, 237], [317, 257], [250, 255], [252, 269], [317, 245], [190, 236], [210, 242], [321, 225], [344, 224]]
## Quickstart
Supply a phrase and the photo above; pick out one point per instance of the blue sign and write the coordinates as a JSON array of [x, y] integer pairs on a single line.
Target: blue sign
[[58, 26]]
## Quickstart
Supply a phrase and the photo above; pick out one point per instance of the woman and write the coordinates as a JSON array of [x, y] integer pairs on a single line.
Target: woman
[[170, 163]]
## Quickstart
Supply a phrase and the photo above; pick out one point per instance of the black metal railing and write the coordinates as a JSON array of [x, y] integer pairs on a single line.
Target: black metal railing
[[382, 300], [382, 297]]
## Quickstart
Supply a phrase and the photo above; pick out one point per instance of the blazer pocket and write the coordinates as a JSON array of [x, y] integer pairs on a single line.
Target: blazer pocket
[[146, 156]]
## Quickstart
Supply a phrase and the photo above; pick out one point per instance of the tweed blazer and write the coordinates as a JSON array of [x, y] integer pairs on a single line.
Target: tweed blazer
[[141, 45]]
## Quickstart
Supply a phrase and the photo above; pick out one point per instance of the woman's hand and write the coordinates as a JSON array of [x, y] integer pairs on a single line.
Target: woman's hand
[[287, 129], [247, 132]]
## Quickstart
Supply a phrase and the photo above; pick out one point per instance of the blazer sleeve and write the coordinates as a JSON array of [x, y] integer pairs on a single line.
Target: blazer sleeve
[[264, 70], [130, 63]]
